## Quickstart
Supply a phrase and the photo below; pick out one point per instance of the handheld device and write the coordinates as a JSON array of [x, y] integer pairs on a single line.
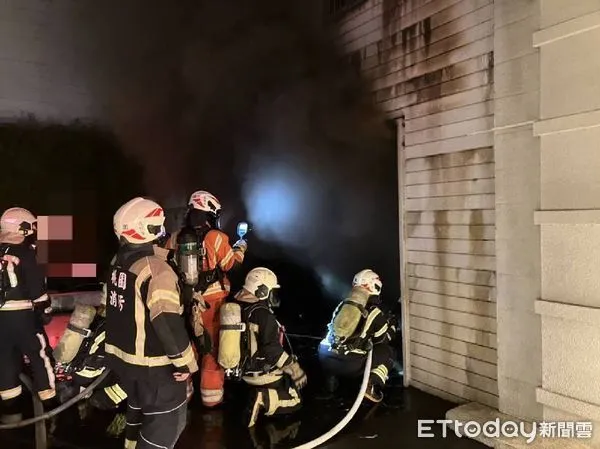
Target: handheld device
[[242, 229]]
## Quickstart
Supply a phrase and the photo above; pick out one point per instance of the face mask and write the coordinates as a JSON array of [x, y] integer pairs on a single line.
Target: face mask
[[374, 299], [273, 299], [31, 240], [196, 218]]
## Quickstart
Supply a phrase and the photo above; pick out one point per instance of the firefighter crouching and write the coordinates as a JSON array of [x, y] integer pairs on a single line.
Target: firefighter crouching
[[81, 358], [203, 256], [275, 375], [358, 324], [146, 344], [24, 308]]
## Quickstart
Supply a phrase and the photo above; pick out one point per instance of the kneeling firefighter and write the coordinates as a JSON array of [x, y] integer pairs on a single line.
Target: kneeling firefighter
[[80, 357], [203, 255], [24, 309], [359, 325], [251, 345], [147, 344]]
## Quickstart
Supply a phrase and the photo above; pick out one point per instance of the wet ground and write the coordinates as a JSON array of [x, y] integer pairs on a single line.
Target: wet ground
[[389, 424]]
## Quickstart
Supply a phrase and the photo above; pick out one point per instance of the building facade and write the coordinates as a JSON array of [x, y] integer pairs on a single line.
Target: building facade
[[498, 110]]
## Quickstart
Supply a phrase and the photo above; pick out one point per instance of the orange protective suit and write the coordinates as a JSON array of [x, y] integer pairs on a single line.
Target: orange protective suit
[[218, 253]]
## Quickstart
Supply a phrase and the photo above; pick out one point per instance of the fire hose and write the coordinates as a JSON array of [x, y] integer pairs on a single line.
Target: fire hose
[[339, 426], [309, 445], [344, 422], [61, 408]]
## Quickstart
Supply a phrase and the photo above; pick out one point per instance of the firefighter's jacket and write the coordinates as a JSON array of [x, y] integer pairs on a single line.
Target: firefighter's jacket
[[30, 292], [220, 255], [267, 356], [144, 328]]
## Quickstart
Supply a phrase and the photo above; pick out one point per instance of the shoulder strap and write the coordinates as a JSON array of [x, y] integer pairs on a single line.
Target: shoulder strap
[[369, 321], [249, 310], [360, 307]]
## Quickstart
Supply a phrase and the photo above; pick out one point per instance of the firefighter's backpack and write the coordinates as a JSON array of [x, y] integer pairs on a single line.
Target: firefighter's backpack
[[348, 315], [234, 337]]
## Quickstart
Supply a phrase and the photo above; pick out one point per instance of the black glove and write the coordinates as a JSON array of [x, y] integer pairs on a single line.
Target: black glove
[[43, 311], [203, 344]]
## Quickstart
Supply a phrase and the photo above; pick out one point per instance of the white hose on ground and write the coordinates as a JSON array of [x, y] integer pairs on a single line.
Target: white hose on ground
[[339, 426], [61, 408]]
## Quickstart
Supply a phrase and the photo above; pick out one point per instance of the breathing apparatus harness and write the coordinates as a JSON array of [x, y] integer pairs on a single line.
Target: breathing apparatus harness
[[246, 310], [190, 257], [359, 342], [5, 284], [65, 371]]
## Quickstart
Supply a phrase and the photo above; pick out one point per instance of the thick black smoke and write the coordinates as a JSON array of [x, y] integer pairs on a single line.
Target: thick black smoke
[[252, 101]]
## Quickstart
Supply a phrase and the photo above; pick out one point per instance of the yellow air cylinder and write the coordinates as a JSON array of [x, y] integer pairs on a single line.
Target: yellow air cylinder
[[70, 342], [230, 335], [349, 314]]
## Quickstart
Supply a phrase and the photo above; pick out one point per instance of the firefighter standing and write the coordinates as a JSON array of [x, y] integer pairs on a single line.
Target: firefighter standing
[[146, 344], [359, 325], [202, 225], [275, 374], [24, 308]]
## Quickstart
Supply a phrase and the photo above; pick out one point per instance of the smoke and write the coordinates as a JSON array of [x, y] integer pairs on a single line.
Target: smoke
[[252, 101]]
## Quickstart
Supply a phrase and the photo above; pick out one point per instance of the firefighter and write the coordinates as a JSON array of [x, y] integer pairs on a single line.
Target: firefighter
[[275, 375], [81, 357], [205, 275], [146, 344], [24, 309], [358, 325]]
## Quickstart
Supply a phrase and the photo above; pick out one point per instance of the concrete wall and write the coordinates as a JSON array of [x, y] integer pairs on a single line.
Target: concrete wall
[[569, 132], [39, 55], [431, 67], [517, 152]]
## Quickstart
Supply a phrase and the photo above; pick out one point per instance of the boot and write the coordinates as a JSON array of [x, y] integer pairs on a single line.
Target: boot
[[10, 410], [49, 405], [252, 411], [373, 393]]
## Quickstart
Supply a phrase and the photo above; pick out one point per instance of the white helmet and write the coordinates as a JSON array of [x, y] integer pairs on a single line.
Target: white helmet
[[369, 280], [17, 220], [205, 201], [261, 282], [139, 220]]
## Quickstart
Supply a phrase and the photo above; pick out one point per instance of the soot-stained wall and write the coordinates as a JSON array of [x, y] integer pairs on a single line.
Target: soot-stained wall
[[246, 99], [430, 63]]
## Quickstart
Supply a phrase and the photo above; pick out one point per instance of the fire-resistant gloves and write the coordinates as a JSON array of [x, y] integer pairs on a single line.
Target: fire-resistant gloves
[[297, 374]]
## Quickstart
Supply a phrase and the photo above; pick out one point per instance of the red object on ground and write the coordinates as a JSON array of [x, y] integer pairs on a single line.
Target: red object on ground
[[56, 328]]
